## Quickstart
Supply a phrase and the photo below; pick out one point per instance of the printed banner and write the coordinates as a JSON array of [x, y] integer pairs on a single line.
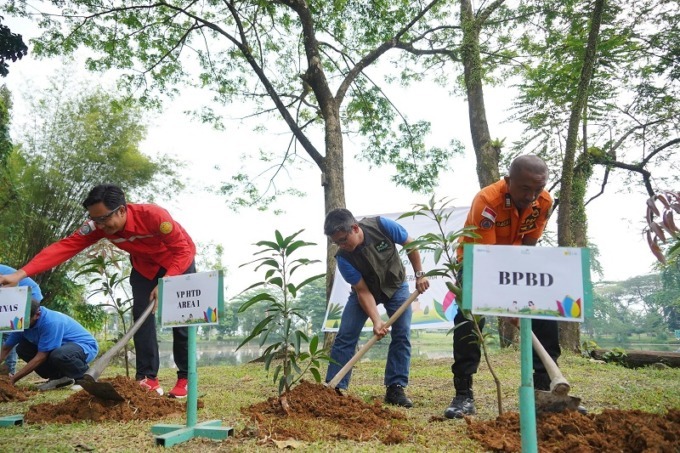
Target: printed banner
[[191, 299], [436, 308], [527, 282], [15, 308]]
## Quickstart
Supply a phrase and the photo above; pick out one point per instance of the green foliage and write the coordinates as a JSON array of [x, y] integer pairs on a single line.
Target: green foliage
[[92, 317], [312, 303], [308, 59], [108, 270], [76, 139], [12, 47], [633, 101], [278, 328]]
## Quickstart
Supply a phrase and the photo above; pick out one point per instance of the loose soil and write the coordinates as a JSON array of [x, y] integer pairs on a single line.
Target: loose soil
[[317, 412], [612, 430], [138, 404], [9, 392]]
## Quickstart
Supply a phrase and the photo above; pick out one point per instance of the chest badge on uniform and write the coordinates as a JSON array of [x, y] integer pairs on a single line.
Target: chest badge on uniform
[[166, 227], [87, 228], [486, 224], [382, 246]]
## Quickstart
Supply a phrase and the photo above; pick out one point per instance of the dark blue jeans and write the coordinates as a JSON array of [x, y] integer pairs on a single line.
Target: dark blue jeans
[[353, 320], [67, 360]]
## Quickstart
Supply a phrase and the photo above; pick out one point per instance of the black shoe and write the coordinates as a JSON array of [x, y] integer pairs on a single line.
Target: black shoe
[[395, 395], [460, 406]]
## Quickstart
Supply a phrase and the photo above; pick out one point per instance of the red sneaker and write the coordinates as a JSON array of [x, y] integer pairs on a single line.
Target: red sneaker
[[150, 384], [180, 389]]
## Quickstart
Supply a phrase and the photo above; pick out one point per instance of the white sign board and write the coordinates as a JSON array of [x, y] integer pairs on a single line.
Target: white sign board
[[15, 308], [436, 308], [527, 282], [191, 299]]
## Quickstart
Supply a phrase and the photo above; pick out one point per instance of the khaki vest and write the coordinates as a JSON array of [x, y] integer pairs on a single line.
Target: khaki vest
[[377, 260]]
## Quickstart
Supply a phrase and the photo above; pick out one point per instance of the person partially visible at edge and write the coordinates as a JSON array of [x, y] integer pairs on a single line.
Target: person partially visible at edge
[[512, 211], [54, 345], [369, 261], [158, 246], [11, 360]]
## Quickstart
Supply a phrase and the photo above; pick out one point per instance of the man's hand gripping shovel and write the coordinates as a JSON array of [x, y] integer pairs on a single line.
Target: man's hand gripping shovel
[[374, 339]]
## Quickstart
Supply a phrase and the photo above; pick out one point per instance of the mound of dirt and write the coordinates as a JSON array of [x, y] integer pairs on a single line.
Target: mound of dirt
[[316, 412], [9, 392], [138, 404], [612, 430]]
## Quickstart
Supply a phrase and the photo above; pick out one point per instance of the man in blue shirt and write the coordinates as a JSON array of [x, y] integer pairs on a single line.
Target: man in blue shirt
[[55, 346], [369, 261], [11, 360]]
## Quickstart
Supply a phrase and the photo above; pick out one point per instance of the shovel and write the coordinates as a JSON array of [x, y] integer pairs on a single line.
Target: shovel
[[557, 399], [360, 353], [105, 390]]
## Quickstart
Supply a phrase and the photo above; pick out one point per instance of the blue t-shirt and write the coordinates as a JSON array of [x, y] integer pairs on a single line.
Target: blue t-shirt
[[54, 329], [35, 289], [395, 232]]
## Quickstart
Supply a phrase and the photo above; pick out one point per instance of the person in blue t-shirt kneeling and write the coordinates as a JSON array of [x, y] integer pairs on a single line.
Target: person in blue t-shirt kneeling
[[11, 360], [55, 346]]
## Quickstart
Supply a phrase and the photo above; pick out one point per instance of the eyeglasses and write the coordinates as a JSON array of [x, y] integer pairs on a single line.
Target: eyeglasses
[[343, 240], [103, 218]]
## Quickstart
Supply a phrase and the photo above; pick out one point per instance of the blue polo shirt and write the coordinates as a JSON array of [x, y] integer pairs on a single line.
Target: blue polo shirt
[[395, 232], [35, 289], [54, 329]]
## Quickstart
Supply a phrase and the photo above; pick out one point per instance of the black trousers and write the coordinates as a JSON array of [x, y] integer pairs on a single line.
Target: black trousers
[[467, 351], [145, 339], [67, 360]]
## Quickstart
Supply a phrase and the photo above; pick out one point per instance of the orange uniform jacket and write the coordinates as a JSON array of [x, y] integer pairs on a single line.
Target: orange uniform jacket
[[497, 220], [150, 235]]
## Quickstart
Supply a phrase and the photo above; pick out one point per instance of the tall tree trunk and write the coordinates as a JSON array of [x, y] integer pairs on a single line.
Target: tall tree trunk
[[570, 334], [571, 182], [332, 179], [487, 155]]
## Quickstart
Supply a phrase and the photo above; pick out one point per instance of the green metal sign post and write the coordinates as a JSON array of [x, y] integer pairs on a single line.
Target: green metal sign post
[[169, 435]]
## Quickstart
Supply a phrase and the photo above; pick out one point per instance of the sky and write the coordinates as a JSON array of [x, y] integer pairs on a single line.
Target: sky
[[616, 220]]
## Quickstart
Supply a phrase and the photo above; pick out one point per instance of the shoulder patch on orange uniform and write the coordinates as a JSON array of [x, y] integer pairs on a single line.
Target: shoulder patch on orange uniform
[[166, 227]]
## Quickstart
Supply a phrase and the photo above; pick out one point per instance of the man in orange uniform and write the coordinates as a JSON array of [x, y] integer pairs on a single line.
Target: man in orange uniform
[[512, 211], [158, 246]]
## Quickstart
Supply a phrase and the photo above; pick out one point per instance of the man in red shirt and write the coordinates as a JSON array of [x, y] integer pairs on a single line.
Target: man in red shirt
[[158, 246], [512, 211]]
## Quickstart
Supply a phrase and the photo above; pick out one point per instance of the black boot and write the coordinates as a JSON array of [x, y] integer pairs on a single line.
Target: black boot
[[395, 395], [463, 403], [542, 381]]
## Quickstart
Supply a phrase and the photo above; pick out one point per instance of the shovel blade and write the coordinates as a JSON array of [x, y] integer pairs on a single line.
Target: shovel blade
[[551, 402], [102, 390]]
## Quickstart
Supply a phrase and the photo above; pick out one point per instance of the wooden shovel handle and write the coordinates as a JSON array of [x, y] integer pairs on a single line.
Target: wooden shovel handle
[[558, 384], [360, 353], [98, 365]]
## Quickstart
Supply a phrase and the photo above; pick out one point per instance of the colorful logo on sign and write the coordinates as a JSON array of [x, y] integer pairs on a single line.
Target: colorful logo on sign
[[210, 315], [448, 308], [569, 308], [16, 323]]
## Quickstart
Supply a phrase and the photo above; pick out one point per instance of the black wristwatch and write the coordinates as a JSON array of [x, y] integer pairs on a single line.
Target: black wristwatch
[[420, 274]]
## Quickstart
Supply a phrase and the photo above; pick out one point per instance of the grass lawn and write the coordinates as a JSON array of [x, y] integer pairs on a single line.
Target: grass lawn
[[225, 389]]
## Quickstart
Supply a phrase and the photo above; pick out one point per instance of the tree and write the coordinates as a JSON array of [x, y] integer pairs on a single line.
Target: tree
[[303, 61], [77, 140], [12, 47], [312, 303]]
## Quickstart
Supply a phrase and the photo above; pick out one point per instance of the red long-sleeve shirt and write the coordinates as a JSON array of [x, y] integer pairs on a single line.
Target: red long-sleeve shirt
[[151, 236]]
